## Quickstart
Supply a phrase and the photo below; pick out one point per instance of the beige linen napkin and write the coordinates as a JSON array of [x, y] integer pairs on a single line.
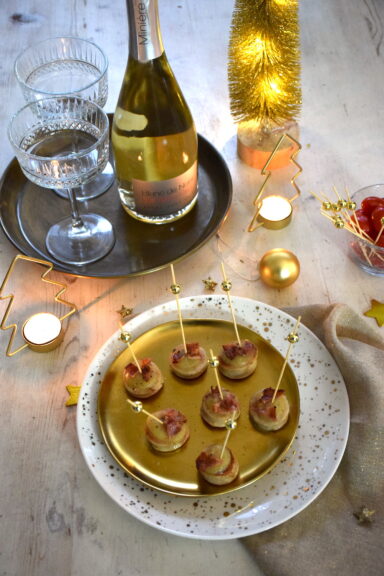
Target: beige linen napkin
[[327, 538]]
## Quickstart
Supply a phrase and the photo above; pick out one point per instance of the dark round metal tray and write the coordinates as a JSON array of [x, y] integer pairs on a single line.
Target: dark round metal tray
[[27, 211]]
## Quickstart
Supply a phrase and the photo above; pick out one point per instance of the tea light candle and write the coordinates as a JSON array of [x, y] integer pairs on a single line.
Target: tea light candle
[[42, 332], [275, 212]]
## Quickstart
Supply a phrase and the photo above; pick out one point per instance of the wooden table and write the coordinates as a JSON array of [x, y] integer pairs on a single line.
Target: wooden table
[[54, 518]]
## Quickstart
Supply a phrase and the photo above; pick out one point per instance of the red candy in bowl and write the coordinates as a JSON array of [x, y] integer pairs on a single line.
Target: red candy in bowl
[[368, 221]]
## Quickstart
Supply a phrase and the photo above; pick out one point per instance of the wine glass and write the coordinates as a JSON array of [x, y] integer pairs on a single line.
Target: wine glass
[[67, 66], [61, 143]]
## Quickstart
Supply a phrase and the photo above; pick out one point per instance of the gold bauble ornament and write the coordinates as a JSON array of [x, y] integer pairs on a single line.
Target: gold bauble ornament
[[279, 268]]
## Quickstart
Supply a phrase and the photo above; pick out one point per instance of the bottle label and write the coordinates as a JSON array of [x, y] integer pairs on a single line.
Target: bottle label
[[165, 197], [146, 42]]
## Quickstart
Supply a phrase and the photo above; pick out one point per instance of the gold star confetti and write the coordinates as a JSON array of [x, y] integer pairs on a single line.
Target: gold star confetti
[[210, 284], [364, 515], [73, 392], [376, 311], [124, 311]]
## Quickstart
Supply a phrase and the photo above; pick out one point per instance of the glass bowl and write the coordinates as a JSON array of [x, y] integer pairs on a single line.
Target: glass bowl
[[365, 253]]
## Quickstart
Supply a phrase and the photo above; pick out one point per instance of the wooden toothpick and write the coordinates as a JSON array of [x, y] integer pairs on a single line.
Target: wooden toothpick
[[176, 289], [380, 233], [126, 338], [292, 339], [137, 407], [214, 363], [324, 200], [230, 425], [226, 286]]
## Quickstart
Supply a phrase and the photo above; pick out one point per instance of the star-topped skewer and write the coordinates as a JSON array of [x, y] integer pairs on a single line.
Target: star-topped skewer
[[226, 286], [293, 338], [176, 289]]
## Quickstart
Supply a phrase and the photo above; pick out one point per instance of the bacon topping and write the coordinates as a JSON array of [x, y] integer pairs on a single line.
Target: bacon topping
[[264, 406], [228, 403], [131, 370], [205, 460], [173, 421], [234, 349], [193, 351]]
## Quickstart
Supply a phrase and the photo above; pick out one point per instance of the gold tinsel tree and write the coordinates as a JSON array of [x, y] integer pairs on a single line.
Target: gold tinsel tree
[[264, 64]]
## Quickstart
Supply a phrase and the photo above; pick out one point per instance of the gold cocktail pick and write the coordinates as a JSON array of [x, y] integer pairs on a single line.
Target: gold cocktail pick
[[342, 214], [226, 286], [176, 289], [339, 213], [215, 363], [230, 425], [292, 339], [126, 338], [137, 407]]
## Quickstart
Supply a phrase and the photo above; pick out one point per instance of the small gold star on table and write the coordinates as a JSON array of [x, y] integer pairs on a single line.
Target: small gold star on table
[[73, 392], [376, 311], [210, 284], [124, 311], [364, 515]]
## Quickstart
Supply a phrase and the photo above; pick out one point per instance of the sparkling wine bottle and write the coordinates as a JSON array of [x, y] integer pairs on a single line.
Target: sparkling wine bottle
[[153, 134]]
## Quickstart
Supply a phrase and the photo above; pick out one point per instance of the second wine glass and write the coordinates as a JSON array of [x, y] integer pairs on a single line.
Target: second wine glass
[[67, 66], [62, 143]]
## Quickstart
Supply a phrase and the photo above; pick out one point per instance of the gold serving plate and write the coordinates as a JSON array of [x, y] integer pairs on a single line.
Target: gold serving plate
[[175, 472]]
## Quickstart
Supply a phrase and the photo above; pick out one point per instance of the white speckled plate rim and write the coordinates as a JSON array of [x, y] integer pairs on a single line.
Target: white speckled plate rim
[[279, 495]]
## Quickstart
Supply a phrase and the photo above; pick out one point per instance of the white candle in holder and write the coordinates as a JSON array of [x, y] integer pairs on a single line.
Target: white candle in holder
[[275, 212], [42, 332]]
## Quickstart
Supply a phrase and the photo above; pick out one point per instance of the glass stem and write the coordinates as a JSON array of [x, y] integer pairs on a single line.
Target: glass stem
[[77, 222]]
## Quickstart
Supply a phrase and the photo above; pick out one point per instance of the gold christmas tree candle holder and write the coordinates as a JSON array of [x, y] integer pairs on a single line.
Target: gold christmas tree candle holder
[[275, 211], [42, 331]]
